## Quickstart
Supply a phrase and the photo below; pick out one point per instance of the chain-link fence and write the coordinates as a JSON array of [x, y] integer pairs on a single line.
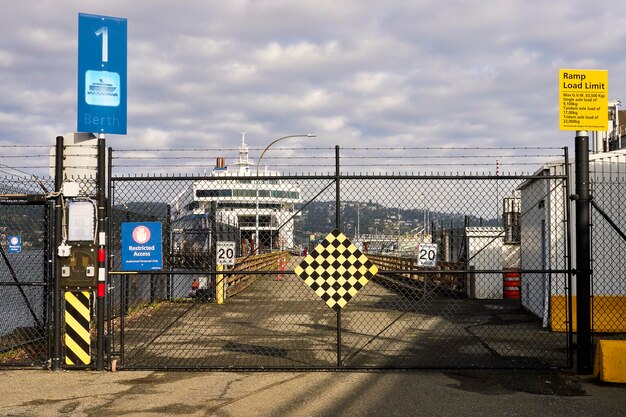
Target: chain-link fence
[[25, 274], [31, 214], [472, 269], [608, 243]]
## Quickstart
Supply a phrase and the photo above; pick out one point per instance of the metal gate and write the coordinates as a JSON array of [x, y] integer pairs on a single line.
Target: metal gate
[[494, 293], [25, 278], [608, 243]]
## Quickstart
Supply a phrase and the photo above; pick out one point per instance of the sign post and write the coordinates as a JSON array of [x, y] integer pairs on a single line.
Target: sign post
[[584, 342], [583, 104], [102, 89]]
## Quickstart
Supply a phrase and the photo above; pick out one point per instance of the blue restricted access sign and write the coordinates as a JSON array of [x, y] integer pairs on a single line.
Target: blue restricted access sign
[[101, 74], [142, 246], [15, 244]]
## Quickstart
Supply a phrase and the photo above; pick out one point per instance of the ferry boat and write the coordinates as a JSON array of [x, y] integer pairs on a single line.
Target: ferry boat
[[102, 87], [252, 207]]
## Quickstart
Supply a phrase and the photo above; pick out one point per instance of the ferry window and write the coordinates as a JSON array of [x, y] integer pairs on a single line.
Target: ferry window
[[214, 193], [244, 193], [193, 205], [206, 193], [285, 194]]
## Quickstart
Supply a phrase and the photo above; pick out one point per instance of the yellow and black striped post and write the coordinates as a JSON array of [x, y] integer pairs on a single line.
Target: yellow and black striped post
[[77, 319]]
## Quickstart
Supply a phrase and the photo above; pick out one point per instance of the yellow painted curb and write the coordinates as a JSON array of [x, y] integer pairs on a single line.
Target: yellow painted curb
[[610, 361]]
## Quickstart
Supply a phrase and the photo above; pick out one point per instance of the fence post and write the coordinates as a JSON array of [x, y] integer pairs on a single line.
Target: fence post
[[338, 225], [109, 254], [568, 233], [102, 284], [213, 246], [58, 221], [583, 268], [168, 251]]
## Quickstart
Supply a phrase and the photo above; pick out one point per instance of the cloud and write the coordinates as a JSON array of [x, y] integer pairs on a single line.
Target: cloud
[[351, 71]]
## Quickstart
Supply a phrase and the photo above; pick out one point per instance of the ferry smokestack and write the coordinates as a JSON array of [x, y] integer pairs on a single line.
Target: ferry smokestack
[[220, 163]]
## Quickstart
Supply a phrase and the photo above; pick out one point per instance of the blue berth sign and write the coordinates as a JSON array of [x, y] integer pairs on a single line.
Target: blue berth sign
[[101, 74]]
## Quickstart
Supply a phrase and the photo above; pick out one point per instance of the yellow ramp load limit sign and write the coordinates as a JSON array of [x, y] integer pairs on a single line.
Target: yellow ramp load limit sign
[[583, 99], [336, 270]]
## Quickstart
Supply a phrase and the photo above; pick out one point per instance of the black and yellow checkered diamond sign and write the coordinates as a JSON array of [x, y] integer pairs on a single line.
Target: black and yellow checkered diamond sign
[[336, 270]]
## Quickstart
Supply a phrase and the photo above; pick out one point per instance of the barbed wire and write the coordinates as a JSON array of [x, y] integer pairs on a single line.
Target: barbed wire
[[25, 146], [329, 165], [341, 148], [354, 157]]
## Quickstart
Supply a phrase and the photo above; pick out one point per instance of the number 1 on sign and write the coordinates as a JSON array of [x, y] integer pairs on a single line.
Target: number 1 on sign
[[104, 31]]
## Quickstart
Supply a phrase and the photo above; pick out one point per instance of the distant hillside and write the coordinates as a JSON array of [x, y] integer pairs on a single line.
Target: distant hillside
[[318, 218], [146, 210]]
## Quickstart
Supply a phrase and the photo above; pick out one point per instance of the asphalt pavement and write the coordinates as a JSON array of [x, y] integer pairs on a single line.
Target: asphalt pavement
[[286, 394]]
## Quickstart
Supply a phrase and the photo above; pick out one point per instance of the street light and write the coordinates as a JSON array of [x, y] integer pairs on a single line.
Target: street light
[[257, 242]]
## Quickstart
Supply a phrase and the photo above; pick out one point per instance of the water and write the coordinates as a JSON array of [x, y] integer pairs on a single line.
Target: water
[[14, 306]]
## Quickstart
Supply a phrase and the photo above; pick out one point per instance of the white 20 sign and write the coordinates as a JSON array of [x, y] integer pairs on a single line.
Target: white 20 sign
[[226, 253], [427, 254]]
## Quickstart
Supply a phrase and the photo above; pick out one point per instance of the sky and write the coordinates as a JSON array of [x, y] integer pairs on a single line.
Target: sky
[[365, 73]]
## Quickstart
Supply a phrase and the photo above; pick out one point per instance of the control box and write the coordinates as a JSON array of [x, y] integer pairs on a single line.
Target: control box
[[78, 270]]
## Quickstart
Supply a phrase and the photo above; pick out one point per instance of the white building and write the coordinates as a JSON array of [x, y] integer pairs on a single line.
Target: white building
[[485, 252], [544, 243]]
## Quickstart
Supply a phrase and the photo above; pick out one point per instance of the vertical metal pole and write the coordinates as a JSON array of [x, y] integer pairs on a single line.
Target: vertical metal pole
[[102, 287], [152, 288], [338, 226], [49, 288], [58, 236], [213, 249], [568, 235], [168, 251], [109, 257], [583, 256], [472, 282], [123, 312]]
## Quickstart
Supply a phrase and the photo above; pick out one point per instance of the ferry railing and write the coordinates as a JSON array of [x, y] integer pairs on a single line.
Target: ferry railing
[[404, 270], [247, 270]]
